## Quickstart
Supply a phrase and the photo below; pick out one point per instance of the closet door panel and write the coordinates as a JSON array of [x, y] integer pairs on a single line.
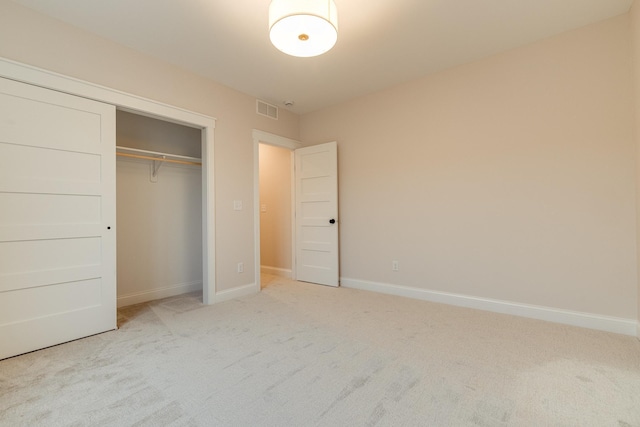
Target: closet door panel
[[57, 222], [50, 301], [35, 164], [16, 124], [48, 209]]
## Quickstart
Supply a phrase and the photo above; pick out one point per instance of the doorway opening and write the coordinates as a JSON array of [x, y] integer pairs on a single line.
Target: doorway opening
[[275, 150], [314, 207], [276, 210], [158, 209]]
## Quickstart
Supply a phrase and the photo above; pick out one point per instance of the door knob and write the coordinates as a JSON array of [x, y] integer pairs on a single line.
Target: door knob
[[332, 221]]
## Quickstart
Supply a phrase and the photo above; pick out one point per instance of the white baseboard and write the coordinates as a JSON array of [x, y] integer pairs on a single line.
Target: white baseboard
[[158, 293], [281, 272], [567, 317], [238, 292]]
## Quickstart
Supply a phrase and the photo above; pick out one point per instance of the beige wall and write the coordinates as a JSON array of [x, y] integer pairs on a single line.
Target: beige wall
[[635, 38], [35, 39], [511, 178], [275, 196]]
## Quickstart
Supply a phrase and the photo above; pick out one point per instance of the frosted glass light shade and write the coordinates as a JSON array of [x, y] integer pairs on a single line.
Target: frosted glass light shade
[[303, 27]]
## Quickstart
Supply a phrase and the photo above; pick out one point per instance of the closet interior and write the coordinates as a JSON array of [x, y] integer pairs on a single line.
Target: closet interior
[[158, 209]]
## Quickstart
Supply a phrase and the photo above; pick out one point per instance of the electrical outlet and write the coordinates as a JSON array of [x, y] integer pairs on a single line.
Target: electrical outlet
[[240, 267], [395, 266]]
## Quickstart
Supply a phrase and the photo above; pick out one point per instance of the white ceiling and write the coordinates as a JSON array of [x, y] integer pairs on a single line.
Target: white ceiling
[[381, 42]]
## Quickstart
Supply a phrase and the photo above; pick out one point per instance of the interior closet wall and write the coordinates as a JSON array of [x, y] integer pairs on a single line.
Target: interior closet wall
[[275, 210], [159, 224]]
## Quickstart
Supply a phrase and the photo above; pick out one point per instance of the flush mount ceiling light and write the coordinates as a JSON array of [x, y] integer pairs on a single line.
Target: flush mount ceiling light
[[303, 27]]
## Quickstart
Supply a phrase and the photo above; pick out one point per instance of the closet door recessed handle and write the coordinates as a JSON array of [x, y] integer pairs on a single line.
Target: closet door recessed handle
[[332, 221]]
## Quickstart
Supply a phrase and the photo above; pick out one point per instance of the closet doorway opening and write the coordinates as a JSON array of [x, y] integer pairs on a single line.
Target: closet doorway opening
[[158, 209]]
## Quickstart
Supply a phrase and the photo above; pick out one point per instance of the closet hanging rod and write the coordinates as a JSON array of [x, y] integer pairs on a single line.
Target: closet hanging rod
[[159, 159], [120, 148]]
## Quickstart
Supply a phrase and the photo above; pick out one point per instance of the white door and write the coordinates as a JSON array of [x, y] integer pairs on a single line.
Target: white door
[[316, 176], [57, 218]]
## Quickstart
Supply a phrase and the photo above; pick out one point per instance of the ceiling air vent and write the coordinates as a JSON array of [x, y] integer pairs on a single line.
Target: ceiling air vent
[[265, 109]]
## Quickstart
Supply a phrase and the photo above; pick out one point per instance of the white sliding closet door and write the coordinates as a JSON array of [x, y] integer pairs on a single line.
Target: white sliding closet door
[[57, 218]]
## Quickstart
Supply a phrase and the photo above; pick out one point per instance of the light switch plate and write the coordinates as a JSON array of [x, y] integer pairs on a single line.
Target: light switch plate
[[237, 205]]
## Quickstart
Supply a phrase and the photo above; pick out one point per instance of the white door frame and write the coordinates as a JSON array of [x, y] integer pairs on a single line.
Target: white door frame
[[261, 137], [146, 107]]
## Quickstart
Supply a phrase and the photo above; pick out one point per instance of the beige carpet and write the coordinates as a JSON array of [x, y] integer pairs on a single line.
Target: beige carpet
[[305, 355]]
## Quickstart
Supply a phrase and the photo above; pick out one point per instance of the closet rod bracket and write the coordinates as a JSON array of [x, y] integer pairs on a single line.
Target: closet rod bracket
[[156, 165]]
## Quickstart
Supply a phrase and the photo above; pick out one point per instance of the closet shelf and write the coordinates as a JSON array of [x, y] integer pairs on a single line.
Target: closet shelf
[[157, 156]]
